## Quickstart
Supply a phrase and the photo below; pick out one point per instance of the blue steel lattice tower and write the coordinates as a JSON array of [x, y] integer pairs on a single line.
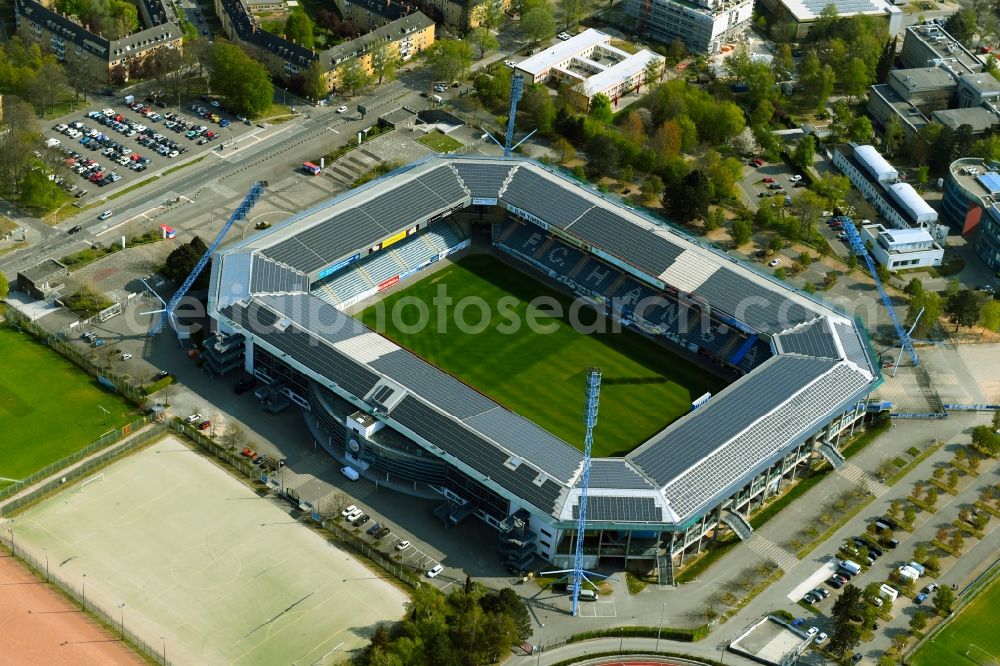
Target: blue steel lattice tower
[[516, 87], [590, 420]]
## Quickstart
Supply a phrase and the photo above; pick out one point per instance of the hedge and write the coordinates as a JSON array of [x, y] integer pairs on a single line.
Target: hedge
[[158, 386], [668, 633], [675, 655]]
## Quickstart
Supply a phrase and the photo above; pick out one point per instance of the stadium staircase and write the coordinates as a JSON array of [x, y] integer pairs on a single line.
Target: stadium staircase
[[832, 455], [738, 524], [665, 569], [743, 350]]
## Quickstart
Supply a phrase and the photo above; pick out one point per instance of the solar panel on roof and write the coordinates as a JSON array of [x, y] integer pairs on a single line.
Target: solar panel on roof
[[605, 509], [483, 180]]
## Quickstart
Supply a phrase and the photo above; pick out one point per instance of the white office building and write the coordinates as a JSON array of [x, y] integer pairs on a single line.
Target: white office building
[[901, 248], [704, 26]]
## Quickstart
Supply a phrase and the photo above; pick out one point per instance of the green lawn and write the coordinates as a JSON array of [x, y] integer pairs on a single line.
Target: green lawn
[[48, 407], [976, 625], [440, 143], [541, 375]]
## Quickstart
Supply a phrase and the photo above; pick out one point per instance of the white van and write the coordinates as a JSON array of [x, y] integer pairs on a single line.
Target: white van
[[587, 594], [350, 473], [888, 592], [437, 99]]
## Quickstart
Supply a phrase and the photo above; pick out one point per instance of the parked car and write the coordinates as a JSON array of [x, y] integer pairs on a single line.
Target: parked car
[[74, 229], [834, 583], [204, 425], [247, 452], [774, 262], [821, 592], [794, 179], [373, 529], [244, 385], [126, 356], [434, 571], [354, 515], [349, 510], [821, 638], [194, 418], [402, 545], [810, 598], [342, 109], [919, 599], [812, 631], [362, 520], [757, 162], [768, 179], [382, 533], [932, 587]]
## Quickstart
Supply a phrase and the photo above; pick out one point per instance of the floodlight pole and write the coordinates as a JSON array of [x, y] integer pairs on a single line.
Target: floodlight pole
[[590, 420]]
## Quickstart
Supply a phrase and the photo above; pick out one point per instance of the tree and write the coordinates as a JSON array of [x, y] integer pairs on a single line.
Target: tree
[[918, 621], [564, 149], [652, 187], [299, 29], [891, 135], [740, 232], [861, 130], [538, 24], [987, 439], [181, 261], [909, 514], [573, 11], [482, 38], [449, 59], [19, 136], [962, 25], [930, 303], [37, 192], [600, 109], [854, 77], [920, 553], [689, 199], [314, 81], [539, 105], [989, 316], [653, 71], [805, 152], [603, 157], [4, 286], [243, 82], [944, 599], [47, 84], [886, 61], [666, 141], [353, 77], [385, 61], [963, 309]]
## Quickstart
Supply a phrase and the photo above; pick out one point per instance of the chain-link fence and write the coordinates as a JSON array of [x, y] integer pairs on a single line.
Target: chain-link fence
[[138, 438], [114, 620], [235, 460]]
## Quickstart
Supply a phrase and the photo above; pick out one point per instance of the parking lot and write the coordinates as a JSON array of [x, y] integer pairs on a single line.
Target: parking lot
[[108, 147], [771, 180]]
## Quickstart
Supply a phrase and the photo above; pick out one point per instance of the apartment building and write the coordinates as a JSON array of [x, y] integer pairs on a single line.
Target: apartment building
[[704, 26]]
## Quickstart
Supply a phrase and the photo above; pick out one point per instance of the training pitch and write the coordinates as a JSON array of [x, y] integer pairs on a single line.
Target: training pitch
[[541, 376], [198, 558], [49, 408], [973, 631]]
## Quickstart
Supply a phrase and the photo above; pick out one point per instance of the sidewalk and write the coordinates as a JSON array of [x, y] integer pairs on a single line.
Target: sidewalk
[[706, 649]]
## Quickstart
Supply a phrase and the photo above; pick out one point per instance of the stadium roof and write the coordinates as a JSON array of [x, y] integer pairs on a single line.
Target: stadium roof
[[260, 287]]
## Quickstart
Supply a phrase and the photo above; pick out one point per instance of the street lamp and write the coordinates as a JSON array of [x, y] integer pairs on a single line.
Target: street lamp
[[46, 563], [659, 628], [84, 594], [121, 606]]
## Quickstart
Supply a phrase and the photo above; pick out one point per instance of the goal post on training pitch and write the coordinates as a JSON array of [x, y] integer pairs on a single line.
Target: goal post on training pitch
[[96, 477], [981, 656]]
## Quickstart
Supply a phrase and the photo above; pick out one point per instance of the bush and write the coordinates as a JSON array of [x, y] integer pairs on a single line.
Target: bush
[[666, 633], [158, 386], [86, 302]]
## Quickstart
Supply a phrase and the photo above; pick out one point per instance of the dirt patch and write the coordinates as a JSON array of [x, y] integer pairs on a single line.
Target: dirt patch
[[42, 627]]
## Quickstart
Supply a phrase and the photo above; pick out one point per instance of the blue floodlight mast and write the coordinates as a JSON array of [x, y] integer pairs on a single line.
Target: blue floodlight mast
[[860, 250], [239, 214], [516, 88], [589, 420]]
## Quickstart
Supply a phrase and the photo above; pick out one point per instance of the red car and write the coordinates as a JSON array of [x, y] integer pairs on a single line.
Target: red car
[[204, 425], [248, 452], [757, 162], [768, 179]]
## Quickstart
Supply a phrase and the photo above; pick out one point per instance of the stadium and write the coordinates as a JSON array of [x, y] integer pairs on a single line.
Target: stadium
[[796, 372]]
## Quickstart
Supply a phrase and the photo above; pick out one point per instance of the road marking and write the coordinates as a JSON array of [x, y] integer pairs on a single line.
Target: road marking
[[334, 131]]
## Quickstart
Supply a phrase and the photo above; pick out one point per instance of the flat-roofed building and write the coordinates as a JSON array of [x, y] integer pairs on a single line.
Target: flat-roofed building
[[979, 118], [588, 65], [901, 248], [704, 26], [803, 14], [930, 44]]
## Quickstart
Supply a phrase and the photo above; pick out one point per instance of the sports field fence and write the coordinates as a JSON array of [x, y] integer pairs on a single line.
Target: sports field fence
[[103, 442]]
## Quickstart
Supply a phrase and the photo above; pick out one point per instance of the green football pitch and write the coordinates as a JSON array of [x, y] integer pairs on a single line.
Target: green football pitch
[[970, 638], [49, 408], [540, 375]]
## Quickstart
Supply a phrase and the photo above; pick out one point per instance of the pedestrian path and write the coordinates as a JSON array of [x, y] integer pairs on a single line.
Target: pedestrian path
[[768, 549]]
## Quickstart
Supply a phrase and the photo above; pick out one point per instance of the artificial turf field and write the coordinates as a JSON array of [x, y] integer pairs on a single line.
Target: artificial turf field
[[48, 407], [975, 625], [541, 375]]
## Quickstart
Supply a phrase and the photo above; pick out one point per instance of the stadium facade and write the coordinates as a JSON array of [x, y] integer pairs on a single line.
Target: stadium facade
[[801, 370]]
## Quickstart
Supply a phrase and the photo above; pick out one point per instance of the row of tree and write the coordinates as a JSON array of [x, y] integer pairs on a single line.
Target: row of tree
[[962, 307], [468, 627]]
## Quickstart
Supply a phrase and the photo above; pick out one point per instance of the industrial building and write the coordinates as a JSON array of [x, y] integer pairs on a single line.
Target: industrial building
[[705, 26], [901, 248], [804, 13], [588, 65], [800, 370], [942, 82], [879, 182], [971, 187]]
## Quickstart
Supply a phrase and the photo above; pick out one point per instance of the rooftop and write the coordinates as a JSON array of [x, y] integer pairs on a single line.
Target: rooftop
[[625, 69], [44, 270], [944, 47], [984, 82], [810, 10], [563, 50], [978, 117], [922, 78]]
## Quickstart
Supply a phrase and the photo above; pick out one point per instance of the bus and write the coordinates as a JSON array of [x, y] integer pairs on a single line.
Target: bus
[[311, 168]]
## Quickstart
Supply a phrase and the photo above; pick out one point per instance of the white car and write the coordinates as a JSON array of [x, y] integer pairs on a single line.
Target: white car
[[105, 215], [354, 515], [402, 545], [564, 36], [434, 571], [812, 631], [774, 262], [349, 510], [794, 179], [126, 356], [826, 213], [821, 638], [341, 109], [194, 418], [509, 63]]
